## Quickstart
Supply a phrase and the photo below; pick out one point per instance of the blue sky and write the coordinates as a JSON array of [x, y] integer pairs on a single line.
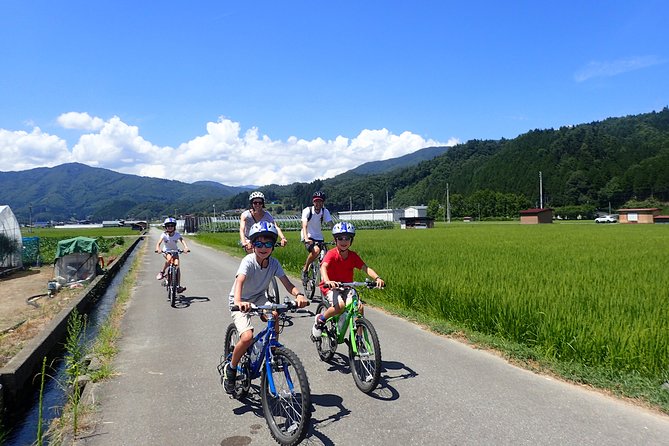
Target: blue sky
[[259, 92]]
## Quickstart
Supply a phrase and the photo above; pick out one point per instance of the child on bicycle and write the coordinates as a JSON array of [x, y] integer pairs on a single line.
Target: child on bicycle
[[337, 267], [255, 214], [170, 238], [253, 276], [313, 218]]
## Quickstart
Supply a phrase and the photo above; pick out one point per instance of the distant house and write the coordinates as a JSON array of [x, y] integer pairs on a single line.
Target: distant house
[[536, 215], [638, 215], [415, 217], [374, 214]]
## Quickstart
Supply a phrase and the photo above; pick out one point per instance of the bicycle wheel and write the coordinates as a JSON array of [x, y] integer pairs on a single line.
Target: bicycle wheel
[[310, 286], [168, 283], [327, 344], [366, 363], [272, 291], [173, 286], [243, 383], [286, 398]]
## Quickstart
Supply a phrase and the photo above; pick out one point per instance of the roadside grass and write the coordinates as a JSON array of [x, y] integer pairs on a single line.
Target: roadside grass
[[579, 301], [79, 419]]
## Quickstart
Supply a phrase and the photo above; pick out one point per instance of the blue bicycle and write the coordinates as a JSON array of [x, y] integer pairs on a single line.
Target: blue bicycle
[[284, 387]]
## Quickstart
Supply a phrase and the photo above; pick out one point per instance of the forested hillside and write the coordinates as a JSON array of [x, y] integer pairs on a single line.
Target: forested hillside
[[77, 191], [593, 165]]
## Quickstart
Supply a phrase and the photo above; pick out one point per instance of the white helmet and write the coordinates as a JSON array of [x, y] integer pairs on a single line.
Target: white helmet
[[265, 229], [345, 228], [170, 221], [257, 194]]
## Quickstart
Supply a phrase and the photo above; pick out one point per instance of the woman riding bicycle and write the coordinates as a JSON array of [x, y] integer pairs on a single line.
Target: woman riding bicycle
[[338, 266], [313, 218], [170, 239], [255, 214], [253, 276]]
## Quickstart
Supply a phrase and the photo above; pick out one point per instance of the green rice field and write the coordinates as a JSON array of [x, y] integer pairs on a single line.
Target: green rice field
[[590, 298]]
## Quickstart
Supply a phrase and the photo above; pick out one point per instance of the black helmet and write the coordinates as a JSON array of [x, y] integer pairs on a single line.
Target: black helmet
[[318, 195]]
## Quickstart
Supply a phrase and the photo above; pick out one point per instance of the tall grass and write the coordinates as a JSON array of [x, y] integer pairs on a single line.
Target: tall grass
[[591, 294]]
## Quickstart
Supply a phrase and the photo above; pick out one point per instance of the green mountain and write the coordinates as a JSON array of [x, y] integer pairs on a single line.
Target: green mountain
[[600, 164], [77, 191], [411, 159]]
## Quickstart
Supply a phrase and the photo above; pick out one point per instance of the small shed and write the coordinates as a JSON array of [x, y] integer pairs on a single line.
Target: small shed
[[76, 259], [536, 215], [638, 215]]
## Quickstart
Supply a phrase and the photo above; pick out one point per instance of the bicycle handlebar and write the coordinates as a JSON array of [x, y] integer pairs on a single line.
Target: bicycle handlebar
[[367, 283], [289, 305]]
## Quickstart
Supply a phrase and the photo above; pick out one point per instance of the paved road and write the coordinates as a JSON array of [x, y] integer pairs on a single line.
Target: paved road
[[434, 391]]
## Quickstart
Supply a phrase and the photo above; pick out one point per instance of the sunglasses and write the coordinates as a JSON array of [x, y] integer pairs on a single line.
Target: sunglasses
[[170, 226], [263, 244], [343, 238], [257, 202]]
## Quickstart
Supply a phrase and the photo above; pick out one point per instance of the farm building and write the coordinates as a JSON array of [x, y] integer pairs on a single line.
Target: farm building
[[415, 217], [536, 215], [639, 215], [374, 214]]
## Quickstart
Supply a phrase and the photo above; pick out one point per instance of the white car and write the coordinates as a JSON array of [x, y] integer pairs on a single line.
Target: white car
[[606, 219]]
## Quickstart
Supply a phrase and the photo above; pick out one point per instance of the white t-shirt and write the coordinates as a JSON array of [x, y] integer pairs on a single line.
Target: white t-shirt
[[170, 242], [314, 225], [257, 279]]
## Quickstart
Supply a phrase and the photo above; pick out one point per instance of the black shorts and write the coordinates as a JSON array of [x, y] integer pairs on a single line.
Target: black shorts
[[311, 243]]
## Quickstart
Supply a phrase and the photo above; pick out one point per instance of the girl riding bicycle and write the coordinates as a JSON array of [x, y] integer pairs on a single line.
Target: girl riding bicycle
[[170, 238], [338, 266], [253, 276]]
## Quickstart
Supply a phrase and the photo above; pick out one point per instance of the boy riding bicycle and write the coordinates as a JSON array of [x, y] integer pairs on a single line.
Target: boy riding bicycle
[[313, 218], [337, 267], [170, 239], [253, 276]]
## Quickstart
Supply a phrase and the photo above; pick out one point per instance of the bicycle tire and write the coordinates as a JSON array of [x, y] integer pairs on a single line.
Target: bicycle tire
[[243, 383], [366, 366], [288, 412], [168, 283], [327, 344], [174, 286], [272, 291], [310, 286]]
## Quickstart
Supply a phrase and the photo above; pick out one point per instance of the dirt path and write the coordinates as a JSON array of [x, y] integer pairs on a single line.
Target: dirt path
[[19, 320]]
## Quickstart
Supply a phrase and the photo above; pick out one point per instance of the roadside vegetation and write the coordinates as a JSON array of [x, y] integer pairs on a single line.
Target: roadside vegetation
[[577, 300]]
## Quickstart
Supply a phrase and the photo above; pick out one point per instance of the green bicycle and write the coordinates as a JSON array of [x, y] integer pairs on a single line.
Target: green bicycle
[[351, 327]]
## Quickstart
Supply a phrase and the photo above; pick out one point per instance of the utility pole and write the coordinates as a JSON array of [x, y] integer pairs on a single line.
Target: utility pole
[[448, 204], [541, 192], [372, 195]]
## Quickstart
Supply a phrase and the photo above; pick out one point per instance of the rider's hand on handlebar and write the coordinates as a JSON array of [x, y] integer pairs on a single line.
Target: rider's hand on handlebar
[[301, 300], [332, 284], [380, 283], [244, 307]]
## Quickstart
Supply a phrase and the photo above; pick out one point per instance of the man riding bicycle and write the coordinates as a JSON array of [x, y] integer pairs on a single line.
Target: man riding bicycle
[[313, 218], [170, 238]]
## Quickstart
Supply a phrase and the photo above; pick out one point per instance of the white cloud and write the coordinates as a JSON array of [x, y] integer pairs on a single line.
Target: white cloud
[[615, 67], [80, 121], [224, 154]]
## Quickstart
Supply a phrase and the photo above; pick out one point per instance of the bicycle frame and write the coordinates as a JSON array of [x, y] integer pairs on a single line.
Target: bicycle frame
[[352, 313], [269, 339]]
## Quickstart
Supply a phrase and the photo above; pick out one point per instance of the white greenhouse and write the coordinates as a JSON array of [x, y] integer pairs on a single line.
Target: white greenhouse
[[11, 243]]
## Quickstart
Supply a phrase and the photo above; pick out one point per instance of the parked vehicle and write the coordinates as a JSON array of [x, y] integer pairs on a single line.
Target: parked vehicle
[[606, 219]]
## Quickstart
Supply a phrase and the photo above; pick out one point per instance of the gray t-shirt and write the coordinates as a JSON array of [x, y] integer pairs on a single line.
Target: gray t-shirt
[[257, 279]]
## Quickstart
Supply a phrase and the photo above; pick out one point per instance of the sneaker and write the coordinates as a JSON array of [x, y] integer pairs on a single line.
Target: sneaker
[[229, 377], [319, 323], [181, 289], [160, 276]]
